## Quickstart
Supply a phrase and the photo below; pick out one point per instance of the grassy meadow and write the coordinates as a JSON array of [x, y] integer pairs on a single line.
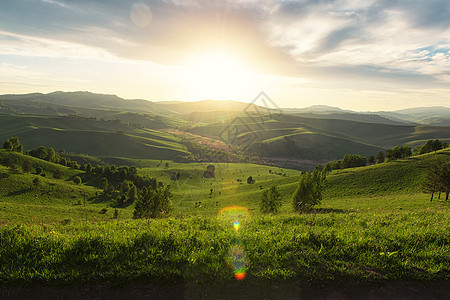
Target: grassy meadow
[[374, 224]]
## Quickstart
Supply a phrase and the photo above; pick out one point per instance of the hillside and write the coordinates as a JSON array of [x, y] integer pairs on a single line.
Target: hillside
[[109, 126], [397, 177], [90, 136], [373, 225], [359, 187], [291, 137]]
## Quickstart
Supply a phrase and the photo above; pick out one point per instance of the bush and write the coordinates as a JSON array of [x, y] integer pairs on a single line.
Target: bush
[[27, 166], [66, 221], [57, 174], [270, 200], [77, 180], [36, 181], [152, 203]]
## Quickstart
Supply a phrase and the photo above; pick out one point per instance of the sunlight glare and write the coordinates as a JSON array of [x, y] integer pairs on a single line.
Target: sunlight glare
[[218, 75]]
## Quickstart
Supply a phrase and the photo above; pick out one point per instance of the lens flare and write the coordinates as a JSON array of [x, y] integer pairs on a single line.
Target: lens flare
[[240, 275], [141, 15], [236, 225], [235, 215], [237, 260]]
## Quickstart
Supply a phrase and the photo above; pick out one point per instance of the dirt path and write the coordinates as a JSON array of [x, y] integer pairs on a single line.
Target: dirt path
[[235, 290]]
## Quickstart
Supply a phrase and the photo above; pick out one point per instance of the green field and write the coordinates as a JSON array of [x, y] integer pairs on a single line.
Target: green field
[[374, 224], [90, 136]]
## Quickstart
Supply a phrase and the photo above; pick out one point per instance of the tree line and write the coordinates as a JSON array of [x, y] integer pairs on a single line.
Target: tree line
[[121, 184], [395, 153]]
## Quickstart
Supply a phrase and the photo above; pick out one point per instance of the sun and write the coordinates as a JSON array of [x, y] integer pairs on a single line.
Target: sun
[[218, 75]]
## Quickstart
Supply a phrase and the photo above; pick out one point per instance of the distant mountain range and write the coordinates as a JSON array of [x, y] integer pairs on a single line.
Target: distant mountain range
[[435, 115], [107, 125], [86, 103]]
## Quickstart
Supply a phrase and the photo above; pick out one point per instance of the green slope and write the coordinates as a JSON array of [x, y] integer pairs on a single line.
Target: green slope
[[90, 136], [397, 177]]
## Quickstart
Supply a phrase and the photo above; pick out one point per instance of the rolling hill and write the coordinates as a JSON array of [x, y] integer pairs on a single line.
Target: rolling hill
[[109, 126], [90, 136]]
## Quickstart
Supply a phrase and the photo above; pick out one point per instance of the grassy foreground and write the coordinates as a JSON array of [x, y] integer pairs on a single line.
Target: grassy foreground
[[313, 247]]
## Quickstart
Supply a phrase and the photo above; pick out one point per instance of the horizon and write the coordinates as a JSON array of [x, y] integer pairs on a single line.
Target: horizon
[[338, 109], [346, 54]]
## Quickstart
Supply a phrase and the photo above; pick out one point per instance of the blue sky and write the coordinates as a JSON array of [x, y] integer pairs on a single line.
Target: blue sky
[[360, 55]]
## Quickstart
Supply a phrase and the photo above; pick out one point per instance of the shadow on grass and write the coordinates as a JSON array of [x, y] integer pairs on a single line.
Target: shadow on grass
[[19, 192], [328, 211]]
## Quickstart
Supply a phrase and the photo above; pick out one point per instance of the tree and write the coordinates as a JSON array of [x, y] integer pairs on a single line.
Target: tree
[[210, 172], [8, 161], [13, 144], [125, 187], [132, 193], [51, 155], [153, 203], [41, 152], [309, 191], [430, 146], [371, 159], [353, 161], [432, 181], [104, 184], [444, 180], [328, 167], [98, 170], [380, 157], [7, 145], [270, 200], [398, 152]]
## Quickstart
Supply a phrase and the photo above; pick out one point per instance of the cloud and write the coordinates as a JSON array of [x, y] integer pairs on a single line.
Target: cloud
[[384, 39]]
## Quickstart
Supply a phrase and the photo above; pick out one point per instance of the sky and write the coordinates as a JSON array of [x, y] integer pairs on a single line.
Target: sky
[[363, 55]]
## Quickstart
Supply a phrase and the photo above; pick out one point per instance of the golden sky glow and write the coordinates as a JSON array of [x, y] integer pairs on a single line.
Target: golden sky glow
[[360, 55]]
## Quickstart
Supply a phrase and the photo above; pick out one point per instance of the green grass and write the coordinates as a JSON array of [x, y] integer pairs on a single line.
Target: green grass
[[357, 247], [397, 177], [374, 225], [93, 137]]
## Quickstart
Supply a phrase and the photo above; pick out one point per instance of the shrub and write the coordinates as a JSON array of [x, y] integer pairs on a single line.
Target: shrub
[[36, 181], [77, 180], [27, 166], [153, 203], [66, 221], [57, 174]]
